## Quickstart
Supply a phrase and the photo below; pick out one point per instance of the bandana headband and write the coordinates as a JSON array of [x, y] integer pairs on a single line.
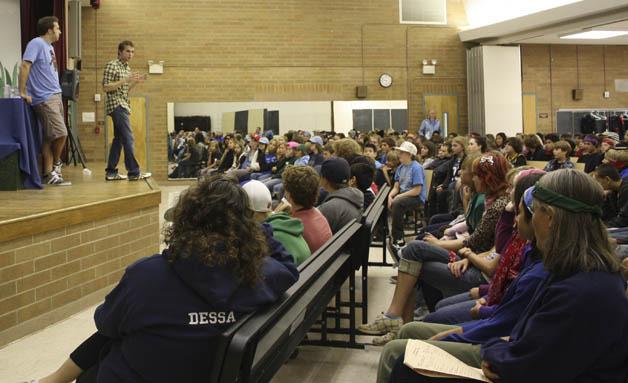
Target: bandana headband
[[555, 199]]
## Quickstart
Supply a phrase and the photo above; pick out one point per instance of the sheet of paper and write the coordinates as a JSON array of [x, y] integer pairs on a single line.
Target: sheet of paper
[[430, 360]]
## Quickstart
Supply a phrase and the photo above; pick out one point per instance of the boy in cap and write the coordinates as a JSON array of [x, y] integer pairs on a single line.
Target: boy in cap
[[407, 193], [287, 230], [343, 203]]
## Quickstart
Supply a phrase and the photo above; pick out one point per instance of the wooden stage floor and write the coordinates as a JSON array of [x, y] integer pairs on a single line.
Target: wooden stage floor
[[87, 192]]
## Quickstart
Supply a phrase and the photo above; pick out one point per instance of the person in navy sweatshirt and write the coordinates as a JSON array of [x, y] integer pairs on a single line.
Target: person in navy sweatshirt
[[575, 328], [159, 324]]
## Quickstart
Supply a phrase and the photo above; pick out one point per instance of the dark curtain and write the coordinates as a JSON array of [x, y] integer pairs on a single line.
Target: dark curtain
[[33, 10]]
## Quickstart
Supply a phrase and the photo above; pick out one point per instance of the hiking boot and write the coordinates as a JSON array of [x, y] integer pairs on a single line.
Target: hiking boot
[[381, 325]]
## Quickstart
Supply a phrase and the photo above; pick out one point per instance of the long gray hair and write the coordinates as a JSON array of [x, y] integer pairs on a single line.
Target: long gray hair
[[579, 241]]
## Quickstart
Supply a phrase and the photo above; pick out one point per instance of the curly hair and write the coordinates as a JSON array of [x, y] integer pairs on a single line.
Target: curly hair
[[214, 223], [492, 168], [302, 184], [347, 148]]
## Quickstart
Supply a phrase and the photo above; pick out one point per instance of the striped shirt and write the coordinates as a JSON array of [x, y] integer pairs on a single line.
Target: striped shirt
[[115, 71]]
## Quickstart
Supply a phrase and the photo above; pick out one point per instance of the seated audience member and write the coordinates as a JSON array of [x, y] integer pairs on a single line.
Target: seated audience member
[[426, 153], [285, 229], [443, 155], [575, 328], [502, 264], [445, 191], [607, 144], [302, 187], [362, 175], [302, 158], [457, 339], [286, 158], [548, 143], [213, 153], [428, 259], [477, 145], [270, 160], [328, 151], [386, 174], [385, 146], [500, 141], [370, 151], [347, 148], [618, 157], [343, 203], [590, 156], [408, 193], [534, 149], [315, 151], [561, 150], [608, 177], [219, 265], [513, 150], [189, 163]]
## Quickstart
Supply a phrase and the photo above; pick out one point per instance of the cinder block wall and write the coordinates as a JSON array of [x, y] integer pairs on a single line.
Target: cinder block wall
[[551, 74], [48, 276], [267, 50]]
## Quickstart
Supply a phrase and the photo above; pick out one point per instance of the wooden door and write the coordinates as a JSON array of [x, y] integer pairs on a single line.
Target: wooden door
[[447, 103], [529, 113], [140, 133]]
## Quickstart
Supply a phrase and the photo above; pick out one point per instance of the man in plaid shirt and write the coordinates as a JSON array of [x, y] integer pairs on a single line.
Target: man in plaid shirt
[[118, 79]]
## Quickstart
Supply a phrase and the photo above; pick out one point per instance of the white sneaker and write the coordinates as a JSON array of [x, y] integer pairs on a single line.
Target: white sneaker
[[140, 176], [55, 178], [56, 167]]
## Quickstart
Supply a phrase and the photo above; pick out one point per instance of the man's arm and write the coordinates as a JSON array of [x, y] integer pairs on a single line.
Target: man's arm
[[25, 69]]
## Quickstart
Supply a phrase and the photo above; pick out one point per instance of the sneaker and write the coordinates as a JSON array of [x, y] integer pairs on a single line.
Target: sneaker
[[381, 325], [420, 313], [56, 167], [395, 247], [382, 340], [115, 177], [55, 178], [393, 280], [140, 176]]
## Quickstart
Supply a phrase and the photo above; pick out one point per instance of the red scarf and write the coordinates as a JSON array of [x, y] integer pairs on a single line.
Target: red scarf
[[507, 271]]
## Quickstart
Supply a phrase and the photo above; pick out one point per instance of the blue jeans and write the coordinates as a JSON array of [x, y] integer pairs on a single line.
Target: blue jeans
[[260, 176], [122, 139], [271, 183], [452, 310]]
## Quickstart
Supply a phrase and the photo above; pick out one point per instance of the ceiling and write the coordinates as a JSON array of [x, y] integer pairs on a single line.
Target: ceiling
[[546, 27]]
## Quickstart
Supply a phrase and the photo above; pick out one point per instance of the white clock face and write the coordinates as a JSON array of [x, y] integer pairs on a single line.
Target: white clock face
[[385, 80]]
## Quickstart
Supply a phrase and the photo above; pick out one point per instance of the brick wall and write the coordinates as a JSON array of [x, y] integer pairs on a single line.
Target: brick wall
[[267, 50], [41, 274], [553, 83]]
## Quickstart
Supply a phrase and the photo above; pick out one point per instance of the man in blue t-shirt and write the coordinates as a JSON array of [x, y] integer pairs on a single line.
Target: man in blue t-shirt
[[408, 192], [39, 86]]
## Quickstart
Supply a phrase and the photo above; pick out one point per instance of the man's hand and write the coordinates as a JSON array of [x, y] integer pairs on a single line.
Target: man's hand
[[390, 201], [486, 369], [458, 268], [27, 98], [443, 334], [274, 169], [474, 293]]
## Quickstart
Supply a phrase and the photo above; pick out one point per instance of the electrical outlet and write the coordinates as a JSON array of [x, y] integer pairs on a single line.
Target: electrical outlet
[[607, 94], [97, 97]]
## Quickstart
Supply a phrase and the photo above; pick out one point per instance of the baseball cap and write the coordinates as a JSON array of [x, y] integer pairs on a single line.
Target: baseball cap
[[259, 196], [317, 140], [264, 141], [292, 144], [336, 170], [407, 147]]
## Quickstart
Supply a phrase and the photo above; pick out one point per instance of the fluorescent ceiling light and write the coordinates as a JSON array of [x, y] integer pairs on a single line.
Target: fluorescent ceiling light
[[594, 35], [487, 12]]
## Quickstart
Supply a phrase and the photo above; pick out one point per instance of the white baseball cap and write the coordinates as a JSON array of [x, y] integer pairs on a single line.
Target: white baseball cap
[[259, 196], [407, 147]]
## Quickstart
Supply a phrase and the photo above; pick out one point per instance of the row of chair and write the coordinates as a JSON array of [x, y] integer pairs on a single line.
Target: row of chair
[[256, 347]]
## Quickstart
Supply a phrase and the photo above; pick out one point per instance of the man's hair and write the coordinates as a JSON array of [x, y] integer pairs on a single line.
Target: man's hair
[[389, 141], [447, 145], [516, 144], [564, 146], [46, 23], [531, 142], [364, 174], [302, 182], [369, 145], [123, 44], [607, 170]]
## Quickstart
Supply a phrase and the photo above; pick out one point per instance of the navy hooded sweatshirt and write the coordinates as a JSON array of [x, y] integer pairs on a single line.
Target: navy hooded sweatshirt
[[162, 317]]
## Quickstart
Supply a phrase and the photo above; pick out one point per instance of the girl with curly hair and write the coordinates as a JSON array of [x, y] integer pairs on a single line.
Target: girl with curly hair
[[159, 324]]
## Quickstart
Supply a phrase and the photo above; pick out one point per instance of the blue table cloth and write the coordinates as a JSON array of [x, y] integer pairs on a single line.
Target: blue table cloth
[[19, 130]]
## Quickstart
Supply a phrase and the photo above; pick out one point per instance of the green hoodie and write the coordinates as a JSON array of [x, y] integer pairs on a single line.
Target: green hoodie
[[289, 232]]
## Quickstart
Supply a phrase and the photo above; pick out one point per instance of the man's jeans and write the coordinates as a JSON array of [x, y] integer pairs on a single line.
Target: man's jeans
[[122, 138]]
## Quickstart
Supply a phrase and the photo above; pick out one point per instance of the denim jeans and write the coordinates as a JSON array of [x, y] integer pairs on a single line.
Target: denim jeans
[[122, 139], [452, 310]]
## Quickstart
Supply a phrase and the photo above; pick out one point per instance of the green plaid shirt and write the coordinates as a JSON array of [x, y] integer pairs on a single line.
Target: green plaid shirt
[[115, 71]]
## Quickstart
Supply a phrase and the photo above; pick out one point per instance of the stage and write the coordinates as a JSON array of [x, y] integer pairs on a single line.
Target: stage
[[63, 247]]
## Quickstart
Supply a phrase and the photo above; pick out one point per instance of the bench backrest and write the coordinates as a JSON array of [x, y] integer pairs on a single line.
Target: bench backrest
[[258, 347]]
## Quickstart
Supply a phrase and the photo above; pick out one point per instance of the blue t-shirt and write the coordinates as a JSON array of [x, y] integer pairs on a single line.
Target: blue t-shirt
[[410, 176], [43, 79]]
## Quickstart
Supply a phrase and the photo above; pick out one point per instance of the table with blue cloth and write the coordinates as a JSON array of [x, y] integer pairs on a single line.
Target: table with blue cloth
[[19, 131]]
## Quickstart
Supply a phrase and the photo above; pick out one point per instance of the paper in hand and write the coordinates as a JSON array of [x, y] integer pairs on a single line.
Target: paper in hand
[[429, 360]]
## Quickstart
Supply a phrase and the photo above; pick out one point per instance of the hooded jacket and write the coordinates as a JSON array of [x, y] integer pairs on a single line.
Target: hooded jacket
[[162, 318], [289, 232], [341, 206]]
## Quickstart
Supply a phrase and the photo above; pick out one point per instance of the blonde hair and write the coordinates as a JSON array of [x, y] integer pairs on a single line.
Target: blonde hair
[[347, 148], [462, 141], [579, 241]]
